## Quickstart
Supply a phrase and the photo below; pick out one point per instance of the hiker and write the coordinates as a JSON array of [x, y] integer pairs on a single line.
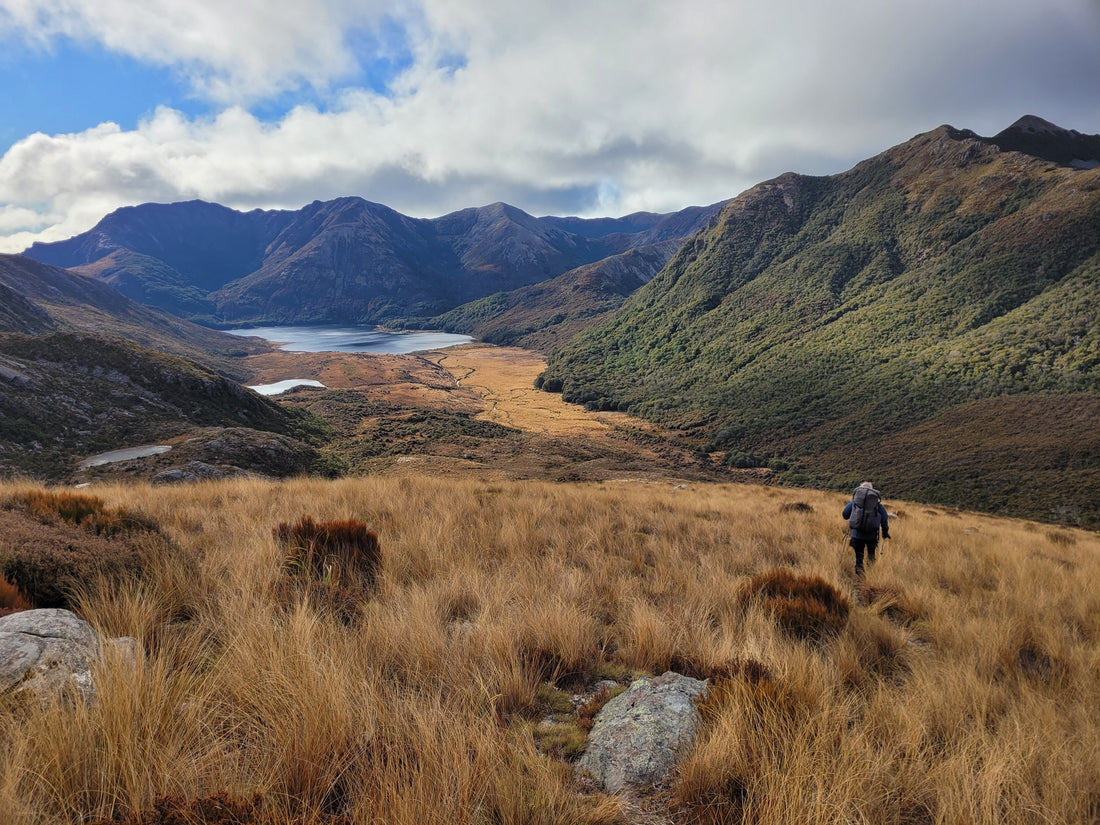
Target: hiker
[[866, 516]]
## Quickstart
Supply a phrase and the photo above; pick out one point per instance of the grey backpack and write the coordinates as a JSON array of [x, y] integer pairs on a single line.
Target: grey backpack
[[864, 517]]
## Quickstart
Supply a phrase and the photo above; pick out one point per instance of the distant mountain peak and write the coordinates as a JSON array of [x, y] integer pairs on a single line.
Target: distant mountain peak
[[1040, 138], [1034, 125]]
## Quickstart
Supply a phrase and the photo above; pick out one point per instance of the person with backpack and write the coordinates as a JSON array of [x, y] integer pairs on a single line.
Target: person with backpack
[[866, 516]]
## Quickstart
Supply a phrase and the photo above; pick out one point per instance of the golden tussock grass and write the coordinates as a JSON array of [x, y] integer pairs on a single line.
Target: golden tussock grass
[[960, 685]]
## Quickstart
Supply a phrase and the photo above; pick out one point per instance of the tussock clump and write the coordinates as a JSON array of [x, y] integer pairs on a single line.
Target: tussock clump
[[806, 607], [872, 649], [797, 507], [727, 689], [1063, 538], [80, 510], [748, 721], [1036, 663], [333, 565], [335, 601], [893, 603], [338, 552], [459, 606], [217, 809]]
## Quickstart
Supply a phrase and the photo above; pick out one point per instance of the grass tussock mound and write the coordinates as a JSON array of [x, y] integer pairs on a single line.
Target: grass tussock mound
[[961, 686], [79, 510], [806, 607], [333, 565], [331, 550]]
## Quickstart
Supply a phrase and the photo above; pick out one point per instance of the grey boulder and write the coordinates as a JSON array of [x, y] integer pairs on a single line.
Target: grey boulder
[[640, 735], [44, 653]]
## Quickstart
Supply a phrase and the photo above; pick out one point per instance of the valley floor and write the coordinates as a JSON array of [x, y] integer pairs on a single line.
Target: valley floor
[[374, 401]]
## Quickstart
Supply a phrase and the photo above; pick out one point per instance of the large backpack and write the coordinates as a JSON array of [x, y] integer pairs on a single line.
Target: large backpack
[[865, 502]]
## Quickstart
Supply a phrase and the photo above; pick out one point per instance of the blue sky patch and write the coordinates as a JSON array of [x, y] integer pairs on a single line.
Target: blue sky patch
[[70, 88]]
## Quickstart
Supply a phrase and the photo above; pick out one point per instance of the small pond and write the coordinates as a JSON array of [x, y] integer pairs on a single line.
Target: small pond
[[282, 386], [124, 454]]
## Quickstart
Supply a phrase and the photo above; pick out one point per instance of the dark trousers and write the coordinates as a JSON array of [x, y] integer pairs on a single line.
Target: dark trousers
[[859, 545]]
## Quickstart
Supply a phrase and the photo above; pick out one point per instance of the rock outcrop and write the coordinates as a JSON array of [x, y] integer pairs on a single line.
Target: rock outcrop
[[639, 736], [45, 653]]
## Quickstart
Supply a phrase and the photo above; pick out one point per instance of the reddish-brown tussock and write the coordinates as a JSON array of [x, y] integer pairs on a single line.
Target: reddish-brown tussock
[[80, 510], [218, 809], [806, 607], [11, 600], [338, 552]]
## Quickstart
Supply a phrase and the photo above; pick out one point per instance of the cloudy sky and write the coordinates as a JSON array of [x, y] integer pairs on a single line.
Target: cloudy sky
[[580, 107]]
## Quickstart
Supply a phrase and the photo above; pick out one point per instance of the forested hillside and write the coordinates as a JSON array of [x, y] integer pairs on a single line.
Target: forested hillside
[[823, 316]]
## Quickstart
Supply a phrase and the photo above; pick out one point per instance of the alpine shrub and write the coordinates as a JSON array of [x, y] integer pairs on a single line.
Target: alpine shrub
[[46, 561]]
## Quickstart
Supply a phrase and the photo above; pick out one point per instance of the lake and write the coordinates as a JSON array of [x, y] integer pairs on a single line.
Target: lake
[[352, 339]]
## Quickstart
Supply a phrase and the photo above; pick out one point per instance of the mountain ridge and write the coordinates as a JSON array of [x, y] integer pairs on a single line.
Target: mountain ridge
[[814, 309], [344, 260], [952, 278], [45, 298], [84, 369]]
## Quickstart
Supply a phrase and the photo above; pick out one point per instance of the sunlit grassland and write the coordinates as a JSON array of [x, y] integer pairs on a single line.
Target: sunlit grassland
[[963, 687]]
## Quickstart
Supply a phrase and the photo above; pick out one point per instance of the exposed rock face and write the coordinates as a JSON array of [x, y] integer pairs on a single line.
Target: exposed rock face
[[194, 471], [45, 652], [15, 377], [640, 734]]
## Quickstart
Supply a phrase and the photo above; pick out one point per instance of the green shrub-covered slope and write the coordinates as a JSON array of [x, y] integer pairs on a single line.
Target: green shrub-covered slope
[[823, 318]]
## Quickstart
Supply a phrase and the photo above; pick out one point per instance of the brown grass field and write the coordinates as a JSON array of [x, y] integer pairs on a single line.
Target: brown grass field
[[504, 377], [961, 685], [380, 395], [494, 383]]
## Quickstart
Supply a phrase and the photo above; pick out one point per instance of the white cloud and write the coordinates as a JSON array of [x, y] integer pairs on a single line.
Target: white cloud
[[604, 106], [231, 51]]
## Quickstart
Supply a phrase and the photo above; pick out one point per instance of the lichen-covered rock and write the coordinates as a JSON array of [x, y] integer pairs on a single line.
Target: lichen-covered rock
[[196, 471], [639, 735], [46, 652]]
